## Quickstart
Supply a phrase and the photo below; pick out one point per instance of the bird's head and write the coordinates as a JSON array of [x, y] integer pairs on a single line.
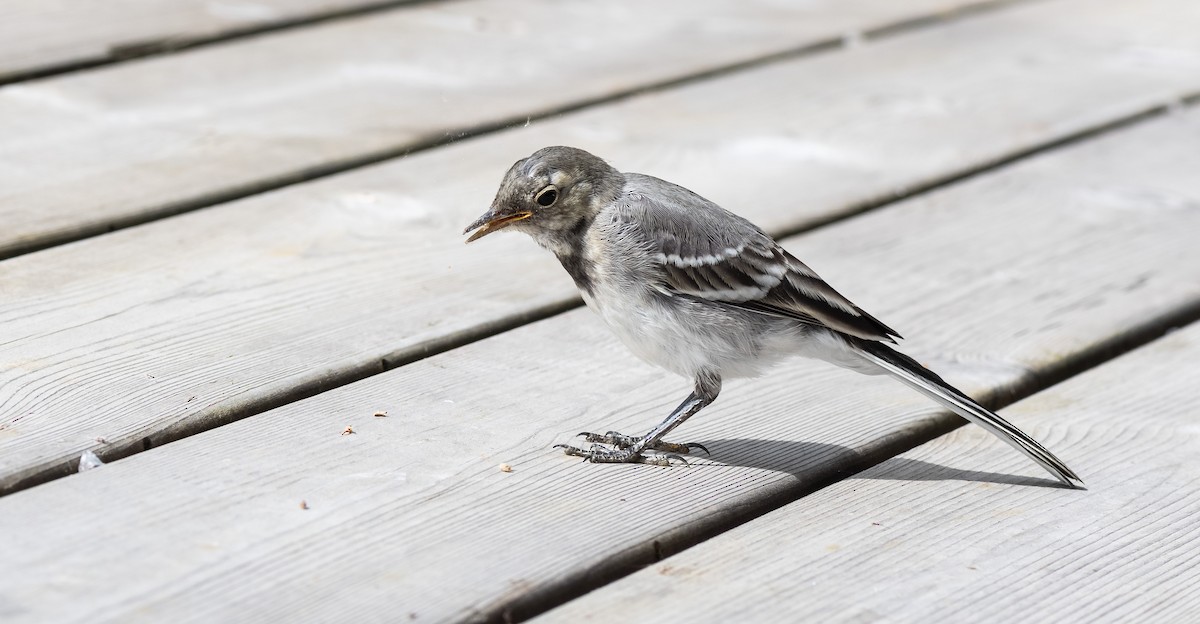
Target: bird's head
[[550, 193]]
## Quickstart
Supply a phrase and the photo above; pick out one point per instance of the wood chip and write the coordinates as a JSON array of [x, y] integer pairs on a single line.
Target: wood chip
[[348, 430], [505, 468], [381, 414]]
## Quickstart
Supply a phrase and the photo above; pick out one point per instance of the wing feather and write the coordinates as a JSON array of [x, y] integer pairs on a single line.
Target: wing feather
[[707, 252]]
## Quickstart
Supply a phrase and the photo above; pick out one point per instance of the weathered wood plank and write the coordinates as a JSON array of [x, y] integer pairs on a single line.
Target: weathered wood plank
[[930, 537], [84, 153], [153, 333], [999, 280], [42, 35]]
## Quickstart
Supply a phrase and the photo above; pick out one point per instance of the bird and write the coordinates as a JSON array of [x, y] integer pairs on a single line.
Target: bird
[[701, 292]]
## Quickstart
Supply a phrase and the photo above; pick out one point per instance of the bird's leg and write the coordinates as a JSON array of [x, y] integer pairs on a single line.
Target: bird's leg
[[630, 449]]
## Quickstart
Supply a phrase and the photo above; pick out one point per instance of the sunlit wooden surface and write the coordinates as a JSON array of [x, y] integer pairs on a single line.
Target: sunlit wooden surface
[[235, 272]]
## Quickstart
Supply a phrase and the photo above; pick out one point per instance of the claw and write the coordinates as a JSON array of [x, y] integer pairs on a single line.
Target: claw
[[574, 451], [697, 445], [663, 460]]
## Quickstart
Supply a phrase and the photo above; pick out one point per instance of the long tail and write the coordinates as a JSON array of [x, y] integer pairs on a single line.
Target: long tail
[[928, 383]]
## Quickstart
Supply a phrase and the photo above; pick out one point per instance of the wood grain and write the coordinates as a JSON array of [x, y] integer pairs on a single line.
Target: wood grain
[[999, 281], [120, 145], [154, 333], [43, 35], [929, 536]]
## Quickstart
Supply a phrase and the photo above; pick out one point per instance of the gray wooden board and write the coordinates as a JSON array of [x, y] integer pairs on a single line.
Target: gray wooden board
[[37, 35], [150, 333], [935, 535], [80, 153], [997, 280]]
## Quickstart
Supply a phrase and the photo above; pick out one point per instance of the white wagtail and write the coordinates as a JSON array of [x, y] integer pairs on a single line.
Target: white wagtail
[[693, 288]]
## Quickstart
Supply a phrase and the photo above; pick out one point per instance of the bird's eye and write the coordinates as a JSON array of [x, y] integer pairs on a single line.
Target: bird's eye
[[546, 196]]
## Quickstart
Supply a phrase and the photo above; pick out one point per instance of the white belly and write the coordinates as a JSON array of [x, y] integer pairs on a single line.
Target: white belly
[[688, 339]]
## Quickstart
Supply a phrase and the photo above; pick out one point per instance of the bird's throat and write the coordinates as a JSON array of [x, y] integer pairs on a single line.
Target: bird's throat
[[572, 252]]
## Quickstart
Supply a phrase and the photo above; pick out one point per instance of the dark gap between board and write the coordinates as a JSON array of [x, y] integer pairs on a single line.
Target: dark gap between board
[[168, 44]]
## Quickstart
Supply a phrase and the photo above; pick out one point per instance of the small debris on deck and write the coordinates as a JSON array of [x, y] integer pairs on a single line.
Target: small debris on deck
[[88, 461], [348, 430]]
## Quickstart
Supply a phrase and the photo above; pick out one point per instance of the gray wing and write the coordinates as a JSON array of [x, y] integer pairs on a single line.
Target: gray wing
[[708, 252]]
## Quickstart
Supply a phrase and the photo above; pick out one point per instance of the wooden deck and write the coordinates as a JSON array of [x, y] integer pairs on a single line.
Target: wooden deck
[[231, 231]]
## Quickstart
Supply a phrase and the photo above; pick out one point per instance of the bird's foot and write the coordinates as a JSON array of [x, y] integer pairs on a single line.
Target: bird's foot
[[621, 441], [623, 452], [598, 454]]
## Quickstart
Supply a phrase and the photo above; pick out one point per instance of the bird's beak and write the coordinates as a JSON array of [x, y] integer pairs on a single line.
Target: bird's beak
[[493, 220]]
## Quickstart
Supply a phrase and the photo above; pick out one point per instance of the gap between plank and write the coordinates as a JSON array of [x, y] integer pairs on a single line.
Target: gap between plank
[[324, 170], [162, 46], [240, 409]]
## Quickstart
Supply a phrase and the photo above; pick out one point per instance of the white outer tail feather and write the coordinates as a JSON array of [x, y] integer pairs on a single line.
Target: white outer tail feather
[[928, 383]]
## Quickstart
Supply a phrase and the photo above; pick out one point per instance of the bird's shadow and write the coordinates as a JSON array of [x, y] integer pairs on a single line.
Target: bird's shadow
[[814, 461]]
